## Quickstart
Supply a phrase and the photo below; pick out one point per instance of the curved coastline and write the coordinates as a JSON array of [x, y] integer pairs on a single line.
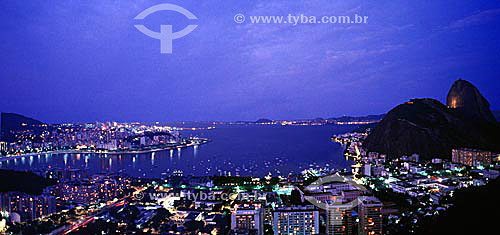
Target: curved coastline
[[199, 141]]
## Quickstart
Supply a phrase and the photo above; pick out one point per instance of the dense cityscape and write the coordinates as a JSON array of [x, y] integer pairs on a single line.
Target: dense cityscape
[[29, 136], [262, 117], [114, 203], [378, 195]]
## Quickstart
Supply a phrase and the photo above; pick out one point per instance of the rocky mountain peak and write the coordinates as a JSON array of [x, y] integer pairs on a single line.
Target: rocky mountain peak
[[429, 128], [466, 97]]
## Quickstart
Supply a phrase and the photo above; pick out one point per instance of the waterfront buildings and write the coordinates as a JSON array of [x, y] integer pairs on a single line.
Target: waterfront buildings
[[296, 220], [3, 147], [93, 137]]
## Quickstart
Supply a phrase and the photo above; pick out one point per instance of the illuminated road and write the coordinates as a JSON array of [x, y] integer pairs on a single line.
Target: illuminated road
[[90, 218]]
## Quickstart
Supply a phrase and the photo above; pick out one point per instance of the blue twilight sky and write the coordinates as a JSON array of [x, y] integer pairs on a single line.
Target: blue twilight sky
[[83, 60]]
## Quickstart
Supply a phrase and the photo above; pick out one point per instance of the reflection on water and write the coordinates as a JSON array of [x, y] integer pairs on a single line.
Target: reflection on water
[[255, 150]]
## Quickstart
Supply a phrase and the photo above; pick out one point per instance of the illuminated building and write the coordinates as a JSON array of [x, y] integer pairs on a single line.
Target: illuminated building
[[370, 216], [453, 103], [296, 220], [247, 219], [471, 157], [29, 207], [3, 147], [339, 219], [87, 191], [350, 195]]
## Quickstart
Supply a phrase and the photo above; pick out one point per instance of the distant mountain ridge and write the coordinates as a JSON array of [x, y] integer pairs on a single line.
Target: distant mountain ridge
[[368, 118], [264, 120], [14, 122], [377, 117], [431, 129]]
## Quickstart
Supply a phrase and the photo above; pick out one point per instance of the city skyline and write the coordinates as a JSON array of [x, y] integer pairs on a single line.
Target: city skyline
[[66, 62], [310, 117]]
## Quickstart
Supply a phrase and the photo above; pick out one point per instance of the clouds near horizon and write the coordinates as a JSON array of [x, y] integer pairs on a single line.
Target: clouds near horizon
[[84, 60]]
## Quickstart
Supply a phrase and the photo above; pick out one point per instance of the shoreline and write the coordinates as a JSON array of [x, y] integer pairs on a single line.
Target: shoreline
[[182, 146]]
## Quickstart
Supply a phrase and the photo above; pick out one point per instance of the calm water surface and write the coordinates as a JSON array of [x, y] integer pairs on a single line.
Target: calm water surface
[[236, 150]]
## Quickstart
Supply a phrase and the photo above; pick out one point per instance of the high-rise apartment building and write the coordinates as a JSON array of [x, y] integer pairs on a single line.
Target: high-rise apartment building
[[339, 218], [247, 219], [471, 157], [296, 220], [370, 215]]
